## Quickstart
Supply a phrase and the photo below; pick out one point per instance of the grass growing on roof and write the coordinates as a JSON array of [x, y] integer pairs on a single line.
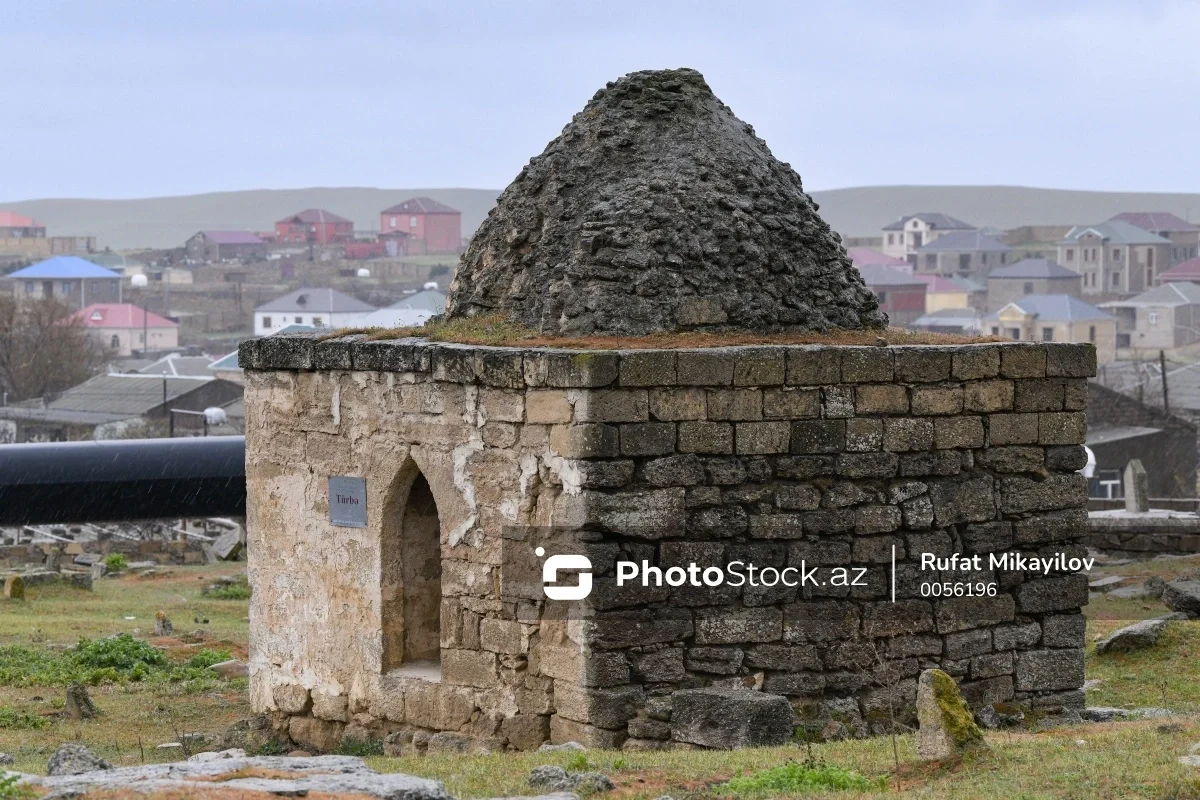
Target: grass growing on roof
[[498, 331]]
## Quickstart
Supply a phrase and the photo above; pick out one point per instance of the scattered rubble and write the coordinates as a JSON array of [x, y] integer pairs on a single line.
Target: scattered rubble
[[74, 759], [556, 779], [1136, 636], [1183, 596]]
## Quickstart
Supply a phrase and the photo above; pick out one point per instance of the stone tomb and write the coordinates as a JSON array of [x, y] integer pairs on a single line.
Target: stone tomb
[[424, 620]]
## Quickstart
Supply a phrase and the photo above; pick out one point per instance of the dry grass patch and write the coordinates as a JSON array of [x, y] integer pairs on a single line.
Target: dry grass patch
[[498, 331]]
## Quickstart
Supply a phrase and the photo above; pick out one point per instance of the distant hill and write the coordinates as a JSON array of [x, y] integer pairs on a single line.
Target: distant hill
[[860, 211]]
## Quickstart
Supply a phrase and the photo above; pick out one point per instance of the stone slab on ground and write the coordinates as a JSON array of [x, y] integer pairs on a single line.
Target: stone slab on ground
[[947, 727], [727, 719], [1136, 636], [1183, 596]]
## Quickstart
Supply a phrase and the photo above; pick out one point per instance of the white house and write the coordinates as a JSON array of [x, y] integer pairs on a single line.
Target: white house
[[320, 308]]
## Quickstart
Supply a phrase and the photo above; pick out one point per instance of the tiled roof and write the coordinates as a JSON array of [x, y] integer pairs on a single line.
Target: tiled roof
[[427, 300], [180, 366], [1169, 294], [64, 267], [11, 219], [420, 205], [1186, 271], [121, 315], [1155, 221], [877, 275], [329, 301], [936, 283], [861, 256], [231, 237], [935, 219], [965, 240], [1116, 231], [314, 216], [1033, 268], [1056, 308]]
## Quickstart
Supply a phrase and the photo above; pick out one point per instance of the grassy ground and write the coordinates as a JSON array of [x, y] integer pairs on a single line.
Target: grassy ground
[[1129, 759], [135, 716]]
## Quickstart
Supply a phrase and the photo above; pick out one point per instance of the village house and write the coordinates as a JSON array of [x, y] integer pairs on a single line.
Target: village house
[[214, 246], [1055, 318], [320, 308], [961, 254], [428, 227], [23, 237], [123, 328], [902, 238], [19, 226], [1188, 271], [942, 293], [950, 320], [1183, 235], [865, 256], [73, 281], [1114, 257], [1163, 318], [1030, 276], [901, 295], [106, 406], [313, 225]]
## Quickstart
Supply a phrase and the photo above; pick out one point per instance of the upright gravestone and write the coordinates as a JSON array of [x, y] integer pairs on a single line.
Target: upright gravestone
[[1137, 487], [14, 588]]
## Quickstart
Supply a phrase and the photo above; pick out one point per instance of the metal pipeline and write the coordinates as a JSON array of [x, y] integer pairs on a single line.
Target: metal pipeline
[[122, 480]]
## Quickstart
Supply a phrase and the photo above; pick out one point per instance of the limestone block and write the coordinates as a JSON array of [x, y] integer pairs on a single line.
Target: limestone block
[[958, 614], [760, 366], [547, 407], [818, 436], [728, 405], [706, 437], [1054, 593], [987, 397], [958, 432], [881, 399], [866, 364], [730, 718], [329, 707], [1042, 670], [937, 400], [705, 367], [647, 368], [922, 364], [437, 706], [813, 366], [975, 362], [1023, 361], [893, 619], [292, 698], [1066, 427], [526, 731], [837, 402], [647, 439], [570, 370], [660, 666], [762, 438], [672, 405], [1016, 637], [608, 708], [820, 622], [946, 726], [315, 735], [1039, 395], [965, 644], [791, 403], [612, 405], [864, 434], [1070, 360], [500, 405], [678, 470], [567, 730], [585, 441]]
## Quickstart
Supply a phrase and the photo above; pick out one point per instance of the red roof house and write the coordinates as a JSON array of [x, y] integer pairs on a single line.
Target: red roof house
[[424, 225], [14, 225], [1188, 271], [314, 225], [124, 328]]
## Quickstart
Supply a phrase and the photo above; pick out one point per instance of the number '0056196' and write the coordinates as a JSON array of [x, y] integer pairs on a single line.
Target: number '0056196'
[[954, 589]]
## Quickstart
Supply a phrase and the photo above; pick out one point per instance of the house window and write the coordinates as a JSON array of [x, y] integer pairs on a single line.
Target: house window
[[964, 261], [1003, 258], [914, 225], [1116, 279], [1070, 254], [1152, 317], [1047, 334], [115, 343], [66, 288], [1149, 256], [1091, 333], [1027, 287], [891, 238], [299, 320], [983, 258], [393, 222], [319, 322], [995, 330], [266, 322], [29, 287], [1149, 275], [1116, 254], [881, 297], [1014, 334], [412, 222]]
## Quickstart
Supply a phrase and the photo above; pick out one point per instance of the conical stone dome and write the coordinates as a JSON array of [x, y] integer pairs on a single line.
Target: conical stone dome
[[657, 209]]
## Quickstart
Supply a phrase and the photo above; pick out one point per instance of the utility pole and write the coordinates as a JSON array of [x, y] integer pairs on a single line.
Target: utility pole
[[1162, 366]]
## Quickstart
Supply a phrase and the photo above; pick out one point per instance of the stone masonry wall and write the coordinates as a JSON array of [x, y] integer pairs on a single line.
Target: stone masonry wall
[[832, 455]]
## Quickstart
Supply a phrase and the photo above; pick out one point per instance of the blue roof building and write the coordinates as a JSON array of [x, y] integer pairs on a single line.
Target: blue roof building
[[73, 281]]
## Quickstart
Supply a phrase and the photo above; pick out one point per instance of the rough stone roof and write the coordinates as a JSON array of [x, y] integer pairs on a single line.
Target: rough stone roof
[[330, 301], [974, 241], [1055, 308], [1184, 293], [1155, 221], [657, 209], [1115, 230]]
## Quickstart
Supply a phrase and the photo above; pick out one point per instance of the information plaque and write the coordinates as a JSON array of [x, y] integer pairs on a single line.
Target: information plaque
[[348, 501]]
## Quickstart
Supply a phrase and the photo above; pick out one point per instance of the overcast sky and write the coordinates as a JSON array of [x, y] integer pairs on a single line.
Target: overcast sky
[[102, 98]]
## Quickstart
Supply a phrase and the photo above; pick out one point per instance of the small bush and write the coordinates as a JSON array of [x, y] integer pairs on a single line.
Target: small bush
[[205, 658], [578, 763], [273, 747], [360, 747], [798, 778], [229, 591], [13, 719], [10, 789], [115, 562], [121, 652]]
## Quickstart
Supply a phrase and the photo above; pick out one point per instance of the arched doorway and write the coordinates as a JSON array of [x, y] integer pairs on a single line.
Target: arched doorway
[[411, 578]]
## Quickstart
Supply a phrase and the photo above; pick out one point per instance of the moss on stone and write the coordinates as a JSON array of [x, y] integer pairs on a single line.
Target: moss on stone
[[957, 719]]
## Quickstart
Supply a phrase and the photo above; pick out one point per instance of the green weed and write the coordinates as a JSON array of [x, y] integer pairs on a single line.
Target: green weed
[[796, 777]]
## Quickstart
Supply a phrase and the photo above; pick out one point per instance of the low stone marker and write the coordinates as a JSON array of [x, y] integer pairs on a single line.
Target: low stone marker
[[947, 727], [14, 588], [79, 703], [1137, 487], [727, 719]]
